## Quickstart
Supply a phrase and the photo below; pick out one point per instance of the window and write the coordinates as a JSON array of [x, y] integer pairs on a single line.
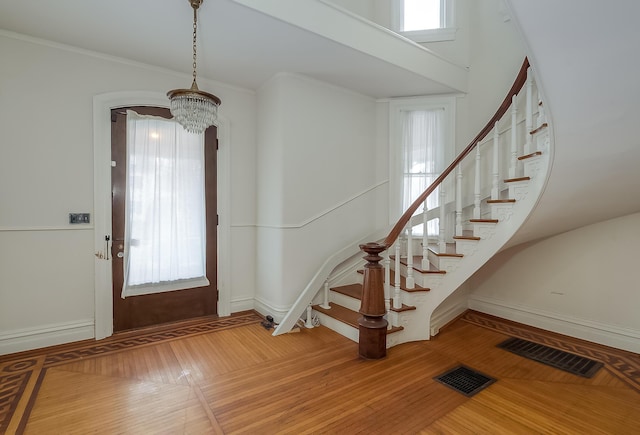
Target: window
[[424, 20], [421, 145]]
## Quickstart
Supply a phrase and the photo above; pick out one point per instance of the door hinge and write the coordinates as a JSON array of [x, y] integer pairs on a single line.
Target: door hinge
[[217, 219]]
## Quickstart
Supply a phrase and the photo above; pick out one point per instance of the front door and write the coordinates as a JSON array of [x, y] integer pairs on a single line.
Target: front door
[[152, 309]]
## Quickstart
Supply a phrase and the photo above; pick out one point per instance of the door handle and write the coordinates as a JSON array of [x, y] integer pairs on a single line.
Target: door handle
[[117, 248]]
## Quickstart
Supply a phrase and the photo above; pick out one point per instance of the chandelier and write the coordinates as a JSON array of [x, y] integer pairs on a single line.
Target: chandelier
[[194, 109]]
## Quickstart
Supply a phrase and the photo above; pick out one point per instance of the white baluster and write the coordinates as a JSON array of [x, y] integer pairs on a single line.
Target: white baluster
[[397, 303], [387, 278], [425, 237], [410, 281], [476, 188], [495, 185], [442, 244], [325, 302], [529, 113], [459, 200], [309, 322], [513, 164]]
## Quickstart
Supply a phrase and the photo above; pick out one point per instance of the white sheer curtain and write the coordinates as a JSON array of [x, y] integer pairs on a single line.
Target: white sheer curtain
[[423, 157], [165, 227]]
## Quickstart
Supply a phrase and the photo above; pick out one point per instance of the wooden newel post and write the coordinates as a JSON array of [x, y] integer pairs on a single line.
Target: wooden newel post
[[372, 324]]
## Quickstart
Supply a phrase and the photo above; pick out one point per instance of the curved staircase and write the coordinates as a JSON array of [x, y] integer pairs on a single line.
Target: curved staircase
[[412, 287]]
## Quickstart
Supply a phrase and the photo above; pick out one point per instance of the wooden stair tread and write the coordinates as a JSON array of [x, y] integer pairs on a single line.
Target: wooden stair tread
[[529, 156], [345, 315], [341, 313], [417, 264], [394, 329], [515, 180], [542, 127], [466, 235], [402, 308], [403, 282], [484, 221], [352, 290], [450, 250], [501, 201], [466, 238]]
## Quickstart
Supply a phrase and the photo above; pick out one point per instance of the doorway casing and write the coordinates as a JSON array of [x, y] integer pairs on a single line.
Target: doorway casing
[[102, 105]]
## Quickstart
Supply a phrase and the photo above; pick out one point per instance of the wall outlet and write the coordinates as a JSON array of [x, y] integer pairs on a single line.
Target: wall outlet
[[79, 218]]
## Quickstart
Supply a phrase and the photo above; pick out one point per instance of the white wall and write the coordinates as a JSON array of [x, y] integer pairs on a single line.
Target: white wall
[[581, 283], [496, 53], [46, 172], [318, 188], [364, 8]]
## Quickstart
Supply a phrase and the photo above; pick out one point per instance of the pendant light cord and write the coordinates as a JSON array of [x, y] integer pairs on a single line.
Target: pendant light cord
[[195, 32]]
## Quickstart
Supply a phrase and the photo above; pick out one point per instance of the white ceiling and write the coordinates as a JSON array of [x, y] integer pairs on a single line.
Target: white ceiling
[[236, 44]]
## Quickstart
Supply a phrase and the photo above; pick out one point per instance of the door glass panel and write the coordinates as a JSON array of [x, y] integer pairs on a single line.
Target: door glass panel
[[165, 227]]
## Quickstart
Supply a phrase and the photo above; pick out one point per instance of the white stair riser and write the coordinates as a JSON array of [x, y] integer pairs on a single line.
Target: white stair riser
[[466, 247], [344, 300], [502, 212], [433, 258], [427, 280], [443, 262], [518, 190], [414, 299], [532, 167], [448, 264], [541, 140], [484, 230], [336, 325]]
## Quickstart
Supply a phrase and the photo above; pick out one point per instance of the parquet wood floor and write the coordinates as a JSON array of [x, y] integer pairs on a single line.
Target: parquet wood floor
[[228, 376]]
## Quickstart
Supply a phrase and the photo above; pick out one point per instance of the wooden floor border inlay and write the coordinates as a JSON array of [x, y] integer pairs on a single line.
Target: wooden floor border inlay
[[16, 370], [625, 365], [11, 388]]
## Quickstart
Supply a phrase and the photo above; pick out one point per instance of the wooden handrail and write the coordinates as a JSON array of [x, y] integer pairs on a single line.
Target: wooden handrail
[[404, 219], [372, 325]]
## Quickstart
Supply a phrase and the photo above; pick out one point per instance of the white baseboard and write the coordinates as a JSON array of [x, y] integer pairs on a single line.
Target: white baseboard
[[264, 308], [242, 305], [596, 332], [20, 340], [443, 317]]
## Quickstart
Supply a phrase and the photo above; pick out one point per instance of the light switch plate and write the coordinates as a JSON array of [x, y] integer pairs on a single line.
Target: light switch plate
[[79, 218]]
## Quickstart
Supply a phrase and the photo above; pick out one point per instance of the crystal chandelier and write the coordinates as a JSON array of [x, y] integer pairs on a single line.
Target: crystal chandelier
[[194, 109]]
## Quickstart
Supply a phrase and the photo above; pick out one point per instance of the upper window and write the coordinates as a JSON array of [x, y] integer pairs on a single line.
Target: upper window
[[421, 144], [424, 20]]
